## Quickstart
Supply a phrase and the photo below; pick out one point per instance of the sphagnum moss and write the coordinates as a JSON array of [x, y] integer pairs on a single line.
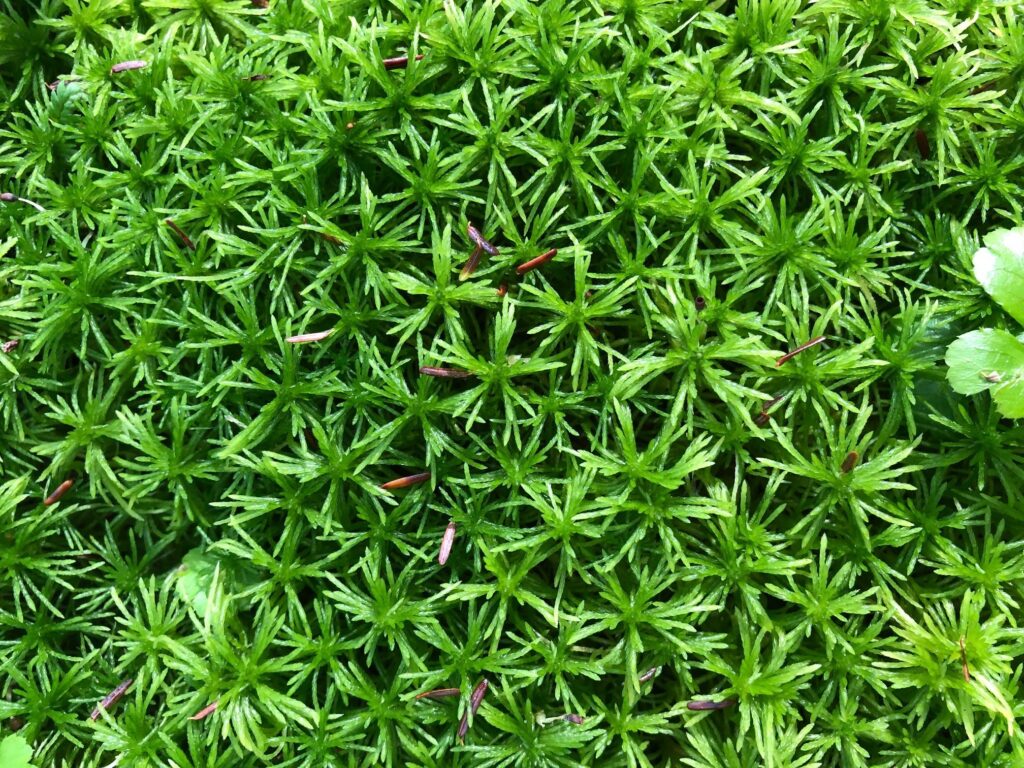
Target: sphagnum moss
[[231, 310]]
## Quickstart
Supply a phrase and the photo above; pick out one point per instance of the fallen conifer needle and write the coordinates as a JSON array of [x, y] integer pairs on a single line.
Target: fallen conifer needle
[[439, 693], [537, 261], [650, 674], [181, 234], [471, 264], [54, 497], [802, 348], [206, 711], [405, 482], [850, 462], [480, 240], [127, 66], [447, 540], [111, 699], [707, 706], [444, 373], [306, 338], [475, 700], [400, 62]]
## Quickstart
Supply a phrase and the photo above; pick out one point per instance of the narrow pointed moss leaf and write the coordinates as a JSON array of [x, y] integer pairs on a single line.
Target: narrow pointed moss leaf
[[989, 359], [999, 267], [15, 752]]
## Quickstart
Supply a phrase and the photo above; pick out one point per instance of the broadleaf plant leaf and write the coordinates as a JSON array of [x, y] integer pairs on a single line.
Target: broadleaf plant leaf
[[1009, 398], [999, 267], [15, 752], [195, 578], [989, 359]]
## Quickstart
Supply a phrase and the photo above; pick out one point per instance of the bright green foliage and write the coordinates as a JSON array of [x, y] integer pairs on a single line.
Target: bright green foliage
[[999, 267], [993, 359], [832, 541], [15, 752]]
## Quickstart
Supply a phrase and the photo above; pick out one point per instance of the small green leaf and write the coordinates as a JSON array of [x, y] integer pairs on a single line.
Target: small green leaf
[[999, 268], [15, 752], [1009, 398], [989, 359], [195, 577]]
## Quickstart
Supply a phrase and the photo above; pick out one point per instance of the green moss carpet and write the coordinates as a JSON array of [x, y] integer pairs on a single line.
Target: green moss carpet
[[287, 449]]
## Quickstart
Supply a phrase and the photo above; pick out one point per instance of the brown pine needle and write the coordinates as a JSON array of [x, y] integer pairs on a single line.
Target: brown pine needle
[[444, 373], [850, 462], [802, 348], [399, 62], [54, 497], [439, 693], [178, 231], [706, 706], [480, 240], [923, 145], [537, 261], [405, 482], [127, 66], [475, 699], [650, 674], [447, 540], [206, 711], [111, 698], [306, 338], [765, 416], [471, 264]]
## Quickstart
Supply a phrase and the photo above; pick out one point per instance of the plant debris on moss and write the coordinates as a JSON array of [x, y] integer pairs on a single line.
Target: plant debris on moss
[[507, 383]]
